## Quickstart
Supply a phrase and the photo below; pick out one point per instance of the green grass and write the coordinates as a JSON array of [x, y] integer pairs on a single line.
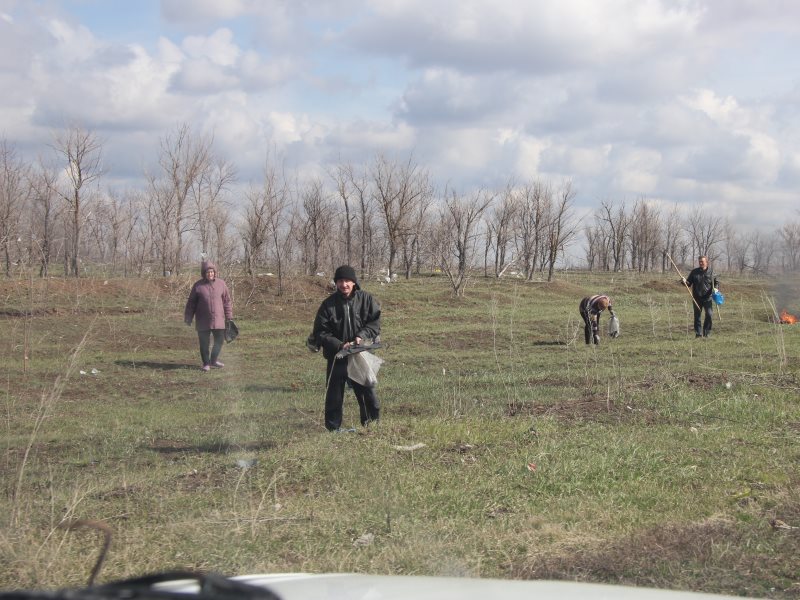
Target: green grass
[[659, 459]]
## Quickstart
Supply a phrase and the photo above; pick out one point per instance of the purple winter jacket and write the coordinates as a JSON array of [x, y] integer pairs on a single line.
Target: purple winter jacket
[[209, 302]]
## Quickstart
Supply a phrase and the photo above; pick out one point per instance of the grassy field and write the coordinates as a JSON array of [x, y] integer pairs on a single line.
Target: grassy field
[[654, 459]]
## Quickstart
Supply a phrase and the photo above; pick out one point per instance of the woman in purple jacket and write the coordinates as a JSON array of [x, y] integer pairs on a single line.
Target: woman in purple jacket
[[210, 305]]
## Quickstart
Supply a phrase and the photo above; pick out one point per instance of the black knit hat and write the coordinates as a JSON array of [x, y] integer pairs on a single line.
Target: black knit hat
[[346, 272]]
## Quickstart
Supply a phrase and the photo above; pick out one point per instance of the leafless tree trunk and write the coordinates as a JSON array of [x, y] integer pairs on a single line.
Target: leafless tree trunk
[[343, 179], [705, 233], [254, 228], [763, 251], [500, 228], [161, 217], [207, 193], [790, 245], [672, 233], [44, 214], [645, 234], [316, 224], [185, 161], [119, 214], [533, 205], [560, 229], [15, 194], [82, 152], [412, 235], [360, 185], [457, 237], [398, 188], [617, 222]]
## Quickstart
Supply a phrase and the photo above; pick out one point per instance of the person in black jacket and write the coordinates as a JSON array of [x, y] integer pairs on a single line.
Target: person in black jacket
[[347, 317], [703, 282]]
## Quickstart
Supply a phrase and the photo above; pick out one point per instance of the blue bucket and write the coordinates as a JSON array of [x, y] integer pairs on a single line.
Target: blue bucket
[[718, 298]]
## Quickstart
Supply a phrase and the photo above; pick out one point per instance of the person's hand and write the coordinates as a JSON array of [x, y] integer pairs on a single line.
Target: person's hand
[[716, 291], [188, 322], [358, 341], [683, 280]]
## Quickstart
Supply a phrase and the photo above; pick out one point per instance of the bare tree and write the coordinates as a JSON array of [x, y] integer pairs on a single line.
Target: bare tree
[[617, 223], [15, 193], [645, 235], [457, 237], [790, 245], [737, 248], [343, 178], [360, 185], [671, 237], [185, 160], [763, 251], [315, 227], [412, 235], [96, 223], [500, 228], [82, 152], [207, 194], [120, 212], [398, 188], [705, 233], [161, 217], [254, 227], [560, 228], [533, 206], [594, 245], [43, 215]]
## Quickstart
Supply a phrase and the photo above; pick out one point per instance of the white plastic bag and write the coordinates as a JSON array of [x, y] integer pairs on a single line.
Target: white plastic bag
[[363, 368], [613, 327]]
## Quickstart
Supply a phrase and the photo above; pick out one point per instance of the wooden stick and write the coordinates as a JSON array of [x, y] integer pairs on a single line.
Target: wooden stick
[[683, 280]]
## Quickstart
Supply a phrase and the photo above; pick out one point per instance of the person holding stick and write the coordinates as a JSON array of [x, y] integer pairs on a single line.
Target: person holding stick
[[703, 283]]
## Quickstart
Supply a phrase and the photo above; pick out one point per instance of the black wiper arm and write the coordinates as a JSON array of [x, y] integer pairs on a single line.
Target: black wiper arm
[[211, 586]]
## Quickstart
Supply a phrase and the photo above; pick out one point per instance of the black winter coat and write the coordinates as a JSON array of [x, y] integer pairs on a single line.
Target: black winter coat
[[340, 320], [703, 283]]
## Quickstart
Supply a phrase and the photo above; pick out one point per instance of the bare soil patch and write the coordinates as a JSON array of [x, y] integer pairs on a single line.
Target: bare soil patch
[[725, 555]]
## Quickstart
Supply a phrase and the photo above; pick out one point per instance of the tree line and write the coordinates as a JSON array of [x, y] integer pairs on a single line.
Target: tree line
[[385, 217]]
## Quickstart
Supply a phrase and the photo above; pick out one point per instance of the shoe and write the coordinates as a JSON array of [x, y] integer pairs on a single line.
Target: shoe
[[218, 364], [343, 430], [697, 335], [205, 368]]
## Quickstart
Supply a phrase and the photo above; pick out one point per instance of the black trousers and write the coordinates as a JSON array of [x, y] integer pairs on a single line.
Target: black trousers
[[336, 378], [590, 327], [205, 342], [706, 306]]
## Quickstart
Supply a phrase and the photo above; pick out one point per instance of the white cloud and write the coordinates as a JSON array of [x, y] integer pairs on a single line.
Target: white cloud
[[202, 11], [627, 97], [218, 48]]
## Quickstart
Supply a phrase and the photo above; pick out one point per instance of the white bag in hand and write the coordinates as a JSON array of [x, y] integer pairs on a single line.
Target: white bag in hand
[[363, 368], [613, 327]]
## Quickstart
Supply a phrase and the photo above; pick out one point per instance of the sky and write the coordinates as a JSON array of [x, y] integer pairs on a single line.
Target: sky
[[687, 102]]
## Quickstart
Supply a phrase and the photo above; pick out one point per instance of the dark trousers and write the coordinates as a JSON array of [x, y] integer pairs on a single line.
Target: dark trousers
[[205, 341], [707, 307], [590, 327], [336, 378]]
